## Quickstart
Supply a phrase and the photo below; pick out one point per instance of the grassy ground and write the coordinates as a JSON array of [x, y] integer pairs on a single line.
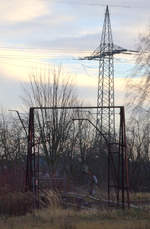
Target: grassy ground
[[58, 218], [55, 217], [139, 196]]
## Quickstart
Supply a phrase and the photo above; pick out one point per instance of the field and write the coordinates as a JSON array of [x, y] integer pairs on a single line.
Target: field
[[56, 217]]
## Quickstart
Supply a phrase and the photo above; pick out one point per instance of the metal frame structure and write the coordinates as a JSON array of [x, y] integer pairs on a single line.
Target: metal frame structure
[[117, 160], [105, 93]]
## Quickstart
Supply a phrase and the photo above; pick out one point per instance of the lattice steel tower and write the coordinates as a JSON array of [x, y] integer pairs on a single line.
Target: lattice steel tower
[[105, 95]]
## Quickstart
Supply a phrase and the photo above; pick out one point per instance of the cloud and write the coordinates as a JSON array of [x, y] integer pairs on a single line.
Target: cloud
[[19, 64], [87, 89], [67, 25], [66, 30], [89, 42], [18, 11], [10, 92]]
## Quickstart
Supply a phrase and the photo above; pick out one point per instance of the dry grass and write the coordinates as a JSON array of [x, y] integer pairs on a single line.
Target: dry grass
[[16, 203], [50, 198], [57, 218], [54, 217], [139, 196]]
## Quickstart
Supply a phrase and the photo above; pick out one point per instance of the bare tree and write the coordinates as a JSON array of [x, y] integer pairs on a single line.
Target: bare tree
[[138, 145], [143, 59], [12, 139], [139, 93], [53, 126]]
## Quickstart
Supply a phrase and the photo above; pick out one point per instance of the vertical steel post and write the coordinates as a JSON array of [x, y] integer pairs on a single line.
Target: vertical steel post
[[37, 176], [119, 162], [126, 159], [122, 156], [29, 168], [109, 172]]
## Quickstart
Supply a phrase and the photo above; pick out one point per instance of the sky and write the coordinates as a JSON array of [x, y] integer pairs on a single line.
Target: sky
[[40, 34]]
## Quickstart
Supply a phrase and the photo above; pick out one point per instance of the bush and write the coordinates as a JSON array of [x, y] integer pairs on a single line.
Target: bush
[[16, 203]]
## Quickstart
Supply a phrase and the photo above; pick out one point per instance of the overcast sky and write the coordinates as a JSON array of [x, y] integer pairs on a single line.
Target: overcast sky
[[38, 33]]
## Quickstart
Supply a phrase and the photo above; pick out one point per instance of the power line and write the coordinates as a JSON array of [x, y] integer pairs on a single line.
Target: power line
[[93, 4], [39, 49]]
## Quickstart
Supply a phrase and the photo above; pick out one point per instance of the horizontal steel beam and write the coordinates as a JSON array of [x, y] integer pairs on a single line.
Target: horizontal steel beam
[[92, 107]]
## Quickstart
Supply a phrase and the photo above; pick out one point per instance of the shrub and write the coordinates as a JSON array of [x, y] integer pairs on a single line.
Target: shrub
[[16, 203]]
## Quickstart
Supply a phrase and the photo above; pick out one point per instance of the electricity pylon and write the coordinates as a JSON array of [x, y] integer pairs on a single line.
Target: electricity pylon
[[105, 95]]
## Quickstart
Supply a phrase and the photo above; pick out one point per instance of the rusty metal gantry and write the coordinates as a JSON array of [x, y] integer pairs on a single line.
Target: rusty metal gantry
[[117, 158]]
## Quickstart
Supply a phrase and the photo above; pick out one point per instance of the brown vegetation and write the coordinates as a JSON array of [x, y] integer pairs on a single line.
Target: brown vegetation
[[15, 203], [57, 218]]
